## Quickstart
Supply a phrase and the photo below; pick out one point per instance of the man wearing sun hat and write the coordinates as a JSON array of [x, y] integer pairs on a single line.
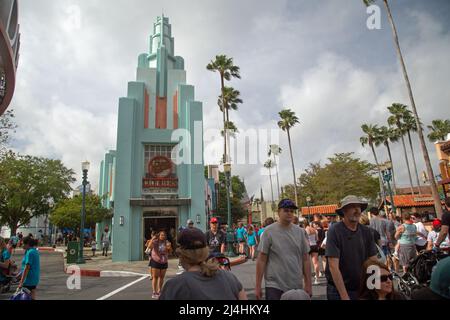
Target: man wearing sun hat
[[349, 244]]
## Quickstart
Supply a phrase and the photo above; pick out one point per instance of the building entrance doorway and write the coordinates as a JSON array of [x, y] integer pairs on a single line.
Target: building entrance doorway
[[160, 220]]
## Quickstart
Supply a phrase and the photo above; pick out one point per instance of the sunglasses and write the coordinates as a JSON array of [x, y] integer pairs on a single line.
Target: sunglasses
[[385, 278], [213, 222]]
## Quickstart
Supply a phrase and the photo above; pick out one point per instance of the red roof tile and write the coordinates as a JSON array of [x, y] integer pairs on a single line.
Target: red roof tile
[[325, 209], [409, 201]]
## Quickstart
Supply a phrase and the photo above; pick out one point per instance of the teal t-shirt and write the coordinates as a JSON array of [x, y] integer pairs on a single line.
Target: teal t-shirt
[[240, 233], [409, 235], [5, 255], [32, 258], [260, 231], [251, 239]]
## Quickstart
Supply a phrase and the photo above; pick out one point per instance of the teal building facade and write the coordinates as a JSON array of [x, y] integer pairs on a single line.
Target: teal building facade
[[144, 181]]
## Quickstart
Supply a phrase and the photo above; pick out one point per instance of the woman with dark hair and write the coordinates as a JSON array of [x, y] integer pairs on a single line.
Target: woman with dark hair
[[160, 249], [376, 283], [203, 278], [314, 249], [31, 266]]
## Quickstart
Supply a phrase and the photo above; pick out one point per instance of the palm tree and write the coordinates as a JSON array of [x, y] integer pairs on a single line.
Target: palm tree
[[384, 136], [231, 128], [370, 138], [269, 165], [227, 70], [288, 120], [275, 150], [398, 112], [411, 125], [426, 156], [230, 101], [439, 130]]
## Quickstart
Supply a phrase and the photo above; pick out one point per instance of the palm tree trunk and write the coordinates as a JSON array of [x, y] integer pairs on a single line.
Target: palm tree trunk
[[414, 162], [434, 191], [278, 180], [380, 178], [393, 172], [228, 135], [293, 167], [271, 188], [225, 133], [407, 164]]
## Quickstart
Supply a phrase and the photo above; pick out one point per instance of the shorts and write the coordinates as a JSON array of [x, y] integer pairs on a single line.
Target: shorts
[[156, 265], [313, 249], [241, 240], [321, 251], [273, 293], [407, 252], [14, 246]]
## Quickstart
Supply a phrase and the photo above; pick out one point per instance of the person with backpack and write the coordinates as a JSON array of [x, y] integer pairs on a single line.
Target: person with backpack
[[31, 267]]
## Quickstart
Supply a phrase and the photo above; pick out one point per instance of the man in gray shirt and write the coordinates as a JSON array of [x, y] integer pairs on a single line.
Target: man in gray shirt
[[381, 225], [283, 257]]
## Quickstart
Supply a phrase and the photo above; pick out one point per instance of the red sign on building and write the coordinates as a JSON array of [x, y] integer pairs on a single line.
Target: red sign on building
[[160, 174]]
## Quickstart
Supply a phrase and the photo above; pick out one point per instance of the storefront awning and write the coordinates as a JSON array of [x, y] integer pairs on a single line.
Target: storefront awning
[[139, 202]]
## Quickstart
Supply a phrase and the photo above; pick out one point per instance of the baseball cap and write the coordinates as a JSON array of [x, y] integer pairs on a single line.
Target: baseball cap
[[436, 223], [192, 239], [189, 221], [213, 220], [287, 204]]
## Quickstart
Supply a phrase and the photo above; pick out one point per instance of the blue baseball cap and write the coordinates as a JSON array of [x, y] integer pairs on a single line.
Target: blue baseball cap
[[287, 204]]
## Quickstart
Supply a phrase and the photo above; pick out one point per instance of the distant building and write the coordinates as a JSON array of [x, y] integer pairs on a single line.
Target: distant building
[[9, 50], [443, 153]]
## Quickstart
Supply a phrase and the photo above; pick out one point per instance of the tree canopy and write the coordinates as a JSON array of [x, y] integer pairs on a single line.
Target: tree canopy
[[67, 214], [29, 186], [343, 175]]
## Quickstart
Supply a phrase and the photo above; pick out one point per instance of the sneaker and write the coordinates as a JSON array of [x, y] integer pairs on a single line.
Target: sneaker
[[179, 272], [316, 280], [321, 275], [155, 296]]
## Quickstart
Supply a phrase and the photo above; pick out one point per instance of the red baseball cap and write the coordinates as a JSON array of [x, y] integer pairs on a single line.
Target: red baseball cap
[[436, 223], [214, 220]]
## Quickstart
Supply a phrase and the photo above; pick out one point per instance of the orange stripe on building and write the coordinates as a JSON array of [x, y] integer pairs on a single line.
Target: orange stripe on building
[[146, 108], [161, 113], [175, 110]]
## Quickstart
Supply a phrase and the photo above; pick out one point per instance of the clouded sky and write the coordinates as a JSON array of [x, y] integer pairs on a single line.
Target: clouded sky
[[316, 57]]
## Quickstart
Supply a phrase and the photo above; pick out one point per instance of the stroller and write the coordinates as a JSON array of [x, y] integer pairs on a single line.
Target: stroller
[[422, 266]]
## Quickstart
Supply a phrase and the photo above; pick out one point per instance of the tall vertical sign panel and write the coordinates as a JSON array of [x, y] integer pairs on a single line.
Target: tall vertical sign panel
[[157, 103]]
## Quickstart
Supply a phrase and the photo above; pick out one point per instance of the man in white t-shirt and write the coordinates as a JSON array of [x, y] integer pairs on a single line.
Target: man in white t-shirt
[[421, 241], [434, 234]]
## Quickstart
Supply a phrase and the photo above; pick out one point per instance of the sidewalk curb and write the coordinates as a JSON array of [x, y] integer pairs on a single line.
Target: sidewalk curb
[[114, 274]]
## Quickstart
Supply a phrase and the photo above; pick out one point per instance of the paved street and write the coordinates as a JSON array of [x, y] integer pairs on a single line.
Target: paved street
[[53, 284]]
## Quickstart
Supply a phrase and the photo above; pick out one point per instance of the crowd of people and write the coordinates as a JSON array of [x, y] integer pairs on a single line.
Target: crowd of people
[[28, 275], [356, 253]]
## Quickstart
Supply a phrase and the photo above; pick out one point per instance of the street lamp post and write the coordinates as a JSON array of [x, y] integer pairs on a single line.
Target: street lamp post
[[387, 176], [85, 168], [230, 232]]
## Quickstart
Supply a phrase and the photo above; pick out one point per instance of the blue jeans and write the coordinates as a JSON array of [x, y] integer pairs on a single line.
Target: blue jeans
[[333, 293]]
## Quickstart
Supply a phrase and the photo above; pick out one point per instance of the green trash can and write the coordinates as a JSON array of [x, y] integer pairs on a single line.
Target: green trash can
[[72, 251]]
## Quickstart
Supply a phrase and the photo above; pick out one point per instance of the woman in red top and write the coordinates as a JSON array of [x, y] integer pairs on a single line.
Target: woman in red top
[[161, 248]]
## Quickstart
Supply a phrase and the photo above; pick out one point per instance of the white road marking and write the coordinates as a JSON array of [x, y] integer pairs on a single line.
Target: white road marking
[[122, 288]]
